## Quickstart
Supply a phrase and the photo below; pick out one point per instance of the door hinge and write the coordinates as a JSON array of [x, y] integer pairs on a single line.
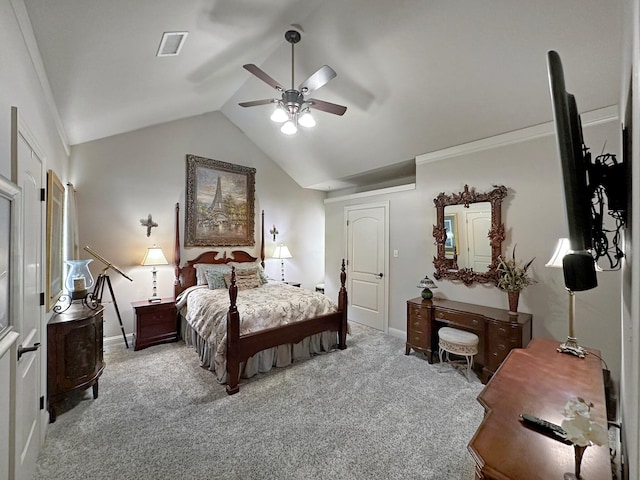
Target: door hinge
[[347, 223], [43, 194], [42, 402], [41, 299]]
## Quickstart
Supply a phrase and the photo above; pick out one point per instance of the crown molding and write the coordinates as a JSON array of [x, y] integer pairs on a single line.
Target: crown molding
[[26, 29], [593, 117]]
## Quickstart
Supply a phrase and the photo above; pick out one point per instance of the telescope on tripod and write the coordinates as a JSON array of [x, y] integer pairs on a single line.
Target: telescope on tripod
[[103, 279]]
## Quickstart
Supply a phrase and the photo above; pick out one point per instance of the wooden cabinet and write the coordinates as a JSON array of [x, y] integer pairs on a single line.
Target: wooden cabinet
[[155, 322], [74, 353], [498, 331]]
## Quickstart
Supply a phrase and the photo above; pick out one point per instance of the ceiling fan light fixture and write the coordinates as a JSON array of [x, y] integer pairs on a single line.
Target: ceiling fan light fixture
[[279, 115], [289, 127], [307, 120]]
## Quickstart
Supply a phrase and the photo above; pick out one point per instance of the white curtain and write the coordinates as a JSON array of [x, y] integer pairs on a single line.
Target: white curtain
[[72, 237]]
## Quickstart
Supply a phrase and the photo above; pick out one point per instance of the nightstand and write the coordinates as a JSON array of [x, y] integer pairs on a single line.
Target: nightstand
[[155, 322], [293, 284]]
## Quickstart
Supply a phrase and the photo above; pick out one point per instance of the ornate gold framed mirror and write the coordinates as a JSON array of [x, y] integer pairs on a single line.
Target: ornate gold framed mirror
[[469, 233]]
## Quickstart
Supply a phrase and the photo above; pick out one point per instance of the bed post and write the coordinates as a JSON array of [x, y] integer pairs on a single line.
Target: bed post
[[233, 338], [262, 242], [176, 251], [342, 306]]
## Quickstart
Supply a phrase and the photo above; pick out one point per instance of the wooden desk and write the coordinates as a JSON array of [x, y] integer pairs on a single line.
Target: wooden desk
[[498, 332], [537, 380]]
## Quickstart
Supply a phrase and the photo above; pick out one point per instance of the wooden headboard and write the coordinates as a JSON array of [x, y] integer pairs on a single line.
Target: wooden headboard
[[185, 276]]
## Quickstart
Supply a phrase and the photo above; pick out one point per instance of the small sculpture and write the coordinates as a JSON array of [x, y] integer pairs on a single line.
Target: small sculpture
[[149, 223]]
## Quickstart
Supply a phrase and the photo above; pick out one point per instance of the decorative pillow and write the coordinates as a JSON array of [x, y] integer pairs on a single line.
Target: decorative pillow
[[244, 279], [215, 279], [203, 268], [243, 266]]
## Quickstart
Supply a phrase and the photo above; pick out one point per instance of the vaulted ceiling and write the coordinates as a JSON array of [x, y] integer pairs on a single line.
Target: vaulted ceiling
[[416, 75]]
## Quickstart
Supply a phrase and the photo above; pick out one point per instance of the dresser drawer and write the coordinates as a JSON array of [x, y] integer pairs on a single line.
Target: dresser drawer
[[461, 319], [418, 339], [417, 321]]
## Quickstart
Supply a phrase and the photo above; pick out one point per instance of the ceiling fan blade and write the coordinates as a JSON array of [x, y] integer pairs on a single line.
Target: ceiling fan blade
[[326, 106], [317, 79], [258, 72], [255, 103]]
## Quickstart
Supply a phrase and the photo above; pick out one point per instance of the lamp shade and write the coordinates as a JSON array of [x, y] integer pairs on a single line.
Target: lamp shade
[[562, 249], [426, 282], [154, 256], [282, 251]]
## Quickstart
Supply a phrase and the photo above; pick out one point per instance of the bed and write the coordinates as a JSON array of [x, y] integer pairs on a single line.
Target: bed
[[252, 331]]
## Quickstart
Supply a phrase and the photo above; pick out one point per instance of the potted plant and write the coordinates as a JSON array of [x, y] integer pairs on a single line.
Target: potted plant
[[513, 277]]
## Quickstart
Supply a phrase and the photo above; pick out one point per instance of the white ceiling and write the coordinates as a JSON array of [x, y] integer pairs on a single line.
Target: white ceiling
[[416, 75]]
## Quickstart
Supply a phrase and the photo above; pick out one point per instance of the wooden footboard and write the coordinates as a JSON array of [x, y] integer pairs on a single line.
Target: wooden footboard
[[241, 347]]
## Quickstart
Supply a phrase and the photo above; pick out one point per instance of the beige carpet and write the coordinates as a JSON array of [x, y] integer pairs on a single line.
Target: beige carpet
[[368, 412]]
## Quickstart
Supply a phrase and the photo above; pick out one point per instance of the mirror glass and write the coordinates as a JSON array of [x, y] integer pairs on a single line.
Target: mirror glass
[[469, 234]]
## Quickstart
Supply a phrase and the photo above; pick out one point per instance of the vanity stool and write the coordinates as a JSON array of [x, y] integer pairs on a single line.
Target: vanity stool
[[457, 342]]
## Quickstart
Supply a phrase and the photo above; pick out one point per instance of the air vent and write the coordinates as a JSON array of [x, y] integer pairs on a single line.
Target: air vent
[[171, 43]]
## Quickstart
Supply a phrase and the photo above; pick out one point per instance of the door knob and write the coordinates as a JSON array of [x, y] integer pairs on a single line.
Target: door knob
[[22, 350], [380, 275]]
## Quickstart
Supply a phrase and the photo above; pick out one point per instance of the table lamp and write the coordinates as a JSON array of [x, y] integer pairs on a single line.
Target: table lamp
[[427, 284], [153, 257], [282, 252]]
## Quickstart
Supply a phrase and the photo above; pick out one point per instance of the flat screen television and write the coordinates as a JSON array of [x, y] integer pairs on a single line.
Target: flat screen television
[[579, 265]]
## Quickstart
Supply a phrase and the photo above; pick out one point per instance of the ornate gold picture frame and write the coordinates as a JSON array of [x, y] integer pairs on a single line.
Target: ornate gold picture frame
[[55, 225], [219, 203]]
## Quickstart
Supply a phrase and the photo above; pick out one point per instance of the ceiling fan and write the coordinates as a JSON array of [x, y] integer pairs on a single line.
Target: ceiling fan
[[292, 108]]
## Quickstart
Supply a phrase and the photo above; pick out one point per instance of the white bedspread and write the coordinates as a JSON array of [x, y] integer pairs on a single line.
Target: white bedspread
[[270, 305]]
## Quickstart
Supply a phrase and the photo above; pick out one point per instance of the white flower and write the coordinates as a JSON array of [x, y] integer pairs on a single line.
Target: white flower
[[579, 427]]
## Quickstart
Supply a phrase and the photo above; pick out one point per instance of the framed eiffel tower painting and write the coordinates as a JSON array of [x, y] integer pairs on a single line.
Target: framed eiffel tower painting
[[219, 203]]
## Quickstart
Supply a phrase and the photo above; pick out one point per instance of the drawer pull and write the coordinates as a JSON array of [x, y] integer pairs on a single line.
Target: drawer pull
[[475, 322]]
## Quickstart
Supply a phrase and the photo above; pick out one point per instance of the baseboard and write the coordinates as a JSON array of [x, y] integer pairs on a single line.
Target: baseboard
[[117, 340], [394, 332]]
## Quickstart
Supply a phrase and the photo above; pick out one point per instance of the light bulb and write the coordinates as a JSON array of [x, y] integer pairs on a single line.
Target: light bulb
[[307, 120], [289, 128], [279, 115]]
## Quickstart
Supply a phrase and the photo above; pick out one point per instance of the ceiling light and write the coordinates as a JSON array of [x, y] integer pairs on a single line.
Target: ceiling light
[[289, 128], [279, 115], [307, 120]]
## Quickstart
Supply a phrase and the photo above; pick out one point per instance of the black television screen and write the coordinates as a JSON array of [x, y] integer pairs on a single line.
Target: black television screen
[[579, 266]]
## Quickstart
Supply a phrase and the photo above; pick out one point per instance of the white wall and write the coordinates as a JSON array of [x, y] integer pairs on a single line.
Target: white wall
[[534, 218], [124, 178], [630, 338]]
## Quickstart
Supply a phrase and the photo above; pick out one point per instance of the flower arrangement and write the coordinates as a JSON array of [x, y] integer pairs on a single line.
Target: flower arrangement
[[580, 429], [512, 275]]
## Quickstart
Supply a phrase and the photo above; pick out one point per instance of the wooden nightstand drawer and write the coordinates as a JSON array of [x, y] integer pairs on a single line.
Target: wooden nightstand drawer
[[155, 323], [461, 319]]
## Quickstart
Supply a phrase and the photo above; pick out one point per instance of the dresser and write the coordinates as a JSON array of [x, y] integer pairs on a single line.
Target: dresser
[[74, 353], [155, 322], [498, 331], [538, 380]]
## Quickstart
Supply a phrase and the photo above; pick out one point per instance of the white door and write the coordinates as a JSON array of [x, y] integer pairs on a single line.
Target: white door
[[29, 173], [478, 226], [367, 265]]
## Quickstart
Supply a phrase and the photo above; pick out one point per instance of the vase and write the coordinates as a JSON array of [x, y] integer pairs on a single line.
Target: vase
[[578, 453], [79, 279], [513, 302]]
